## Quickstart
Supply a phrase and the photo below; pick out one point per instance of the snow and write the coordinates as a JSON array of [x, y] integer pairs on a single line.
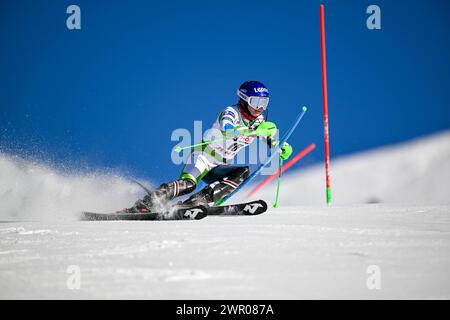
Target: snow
[[289, 253], [31, 190], [302, 250]]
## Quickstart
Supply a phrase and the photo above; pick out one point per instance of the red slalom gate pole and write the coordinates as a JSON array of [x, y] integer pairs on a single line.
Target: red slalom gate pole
[[325, 103], [286, 166]]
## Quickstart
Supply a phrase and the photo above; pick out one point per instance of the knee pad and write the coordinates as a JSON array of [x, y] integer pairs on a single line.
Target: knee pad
[[239, 174], [245, 172]]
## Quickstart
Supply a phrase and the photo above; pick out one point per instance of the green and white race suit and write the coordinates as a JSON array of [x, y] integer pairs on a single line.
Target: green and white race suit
[[204, 158]]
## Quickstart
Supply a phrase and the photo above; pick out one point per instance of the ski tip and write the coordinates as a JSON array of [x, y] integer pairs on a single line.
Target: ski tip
[[177, 149], [304, 108]]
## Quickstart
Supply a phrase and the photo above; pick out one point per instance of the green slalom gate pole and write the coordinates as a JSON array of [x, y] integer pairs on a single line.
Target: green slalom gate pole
[[275, 205]]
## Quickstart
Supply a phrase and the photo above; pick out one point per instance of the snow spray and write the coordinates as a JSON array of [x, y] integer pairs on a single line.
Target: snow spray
[[33, 190]]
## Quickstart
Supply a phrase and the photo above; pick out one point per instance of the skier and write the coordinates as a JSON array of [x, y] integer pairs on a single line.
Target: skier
[[211, 163]]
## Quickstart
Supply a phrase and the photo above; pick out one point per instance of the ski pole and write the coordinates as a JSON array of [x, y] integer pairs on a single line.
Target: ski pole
[[179, 149], [259, 169], [275, 205]]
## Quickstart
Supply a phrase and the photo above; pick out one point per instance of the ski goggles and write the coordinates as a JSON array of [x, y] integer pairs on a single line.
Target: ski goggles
[[258, 103]]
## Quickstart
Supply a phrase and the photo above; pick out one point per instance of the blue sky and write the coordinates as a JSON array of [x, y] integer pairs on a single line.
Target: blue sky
[[110, 95]]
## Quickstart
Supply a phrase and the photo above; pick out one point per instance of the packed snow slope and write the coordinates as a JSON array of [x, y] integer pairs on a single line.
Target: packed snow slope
[[302, 250], [289, 253], [415, 172]]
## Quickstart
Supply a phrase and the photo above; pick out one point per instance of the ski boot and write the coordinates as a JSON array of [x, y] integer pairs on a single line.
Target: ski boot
[[157, 200], [203, 198], [219, 189]]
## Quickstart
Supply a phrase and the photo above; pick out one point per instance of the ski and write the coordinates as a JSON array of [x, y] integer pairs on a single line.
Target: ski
[[175, 213], [248, 208], [183, 212]]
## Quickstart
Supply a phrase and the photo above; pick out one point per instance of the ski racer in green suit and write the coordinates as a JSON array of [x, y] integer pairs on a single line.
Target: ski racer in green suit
[[242, 123]]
